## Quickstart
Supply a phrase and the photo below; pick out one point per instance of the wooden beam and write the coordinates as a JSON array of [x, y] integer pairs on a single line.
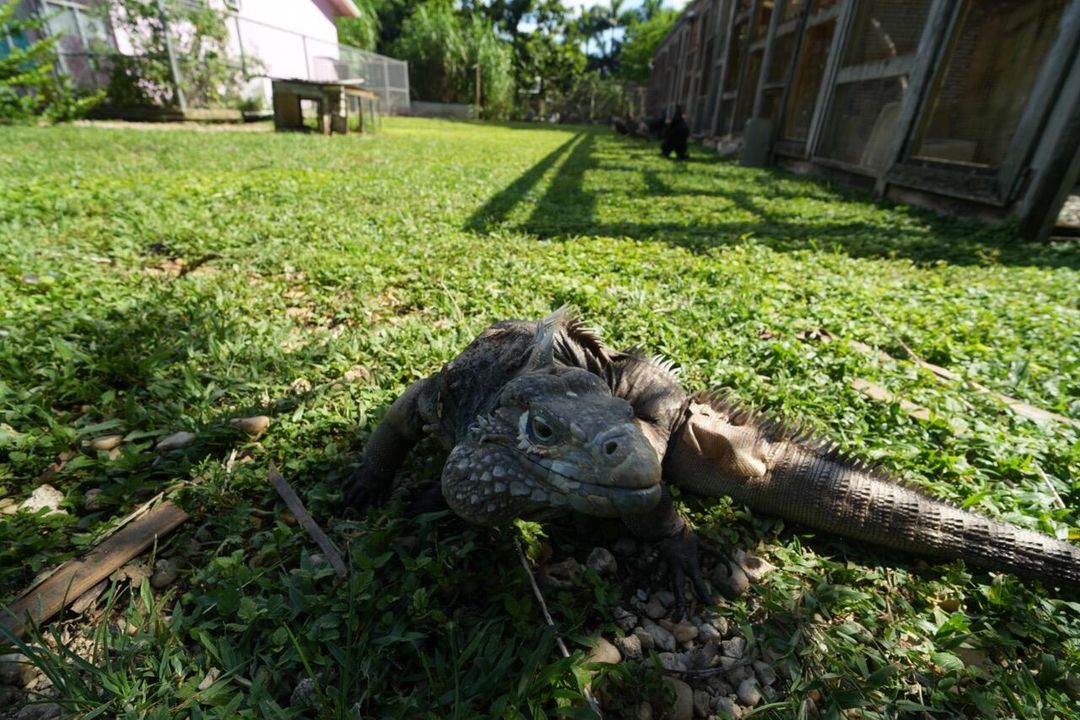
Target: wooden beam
[[65, 584], [767, 58], [889, 67], [940, 22], [296, 507], [832, 66], [1048, 83]]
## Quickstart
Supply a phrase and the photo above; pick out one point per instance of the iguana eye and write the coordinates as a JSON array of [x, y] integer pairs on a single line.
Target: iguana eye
[[540, 430]]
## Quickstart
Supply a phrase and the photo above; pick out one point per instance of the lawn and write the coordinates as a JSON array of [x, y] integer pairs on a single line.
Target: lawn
[[161, 281]]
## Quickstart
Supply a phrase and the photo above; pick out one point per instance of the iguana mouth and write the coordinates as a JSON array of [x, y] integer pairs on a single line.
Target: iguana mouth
[[627, 493]]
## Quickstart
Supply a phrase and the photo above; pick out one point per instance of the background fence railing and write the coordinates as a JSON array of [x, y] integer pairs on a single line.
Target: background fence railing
[[259, 49]]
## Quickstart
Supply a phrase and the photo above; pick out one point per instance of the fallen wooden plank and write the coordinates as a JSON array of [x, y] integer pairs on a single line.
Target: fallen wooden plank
[[296, 507], [944, 375], [69, 581]]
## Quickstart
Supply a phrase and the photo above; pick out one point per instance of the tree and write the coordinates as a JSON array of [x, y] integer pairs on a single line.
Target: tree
[[640, 45], [30, 86], [362, 31]]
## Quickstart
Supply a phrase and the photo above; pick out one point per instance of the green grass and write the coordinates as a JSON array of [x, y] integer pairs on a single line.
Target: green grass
[[390, 253]]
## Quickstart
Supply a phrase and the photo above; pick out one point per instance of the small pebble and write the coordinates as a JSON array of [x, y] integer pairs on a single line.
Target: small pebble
[[748, 692], [9, 506], [106, 443], [727, 708], [39, 711], [602, 561], [754, 567], [209, 679], [643, 711], [709, 634], [165, 573], [175, 441], [44, 497], [629, 647], [662, 639], [733, 648], [702, 703], [671, 661], [765, 673], [666, 597], [604, 652], [16, 670], [655, 609], [624, 619], [303, 694], [684, 699], [646, 640], [93, 500], [684, 632], [251, 426], [730, 580]]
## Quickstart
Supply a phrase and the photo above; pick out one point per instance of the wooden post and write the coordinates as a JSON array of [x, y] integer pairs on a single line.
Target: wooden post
[[939, 26], [767, 56], [828, 78]]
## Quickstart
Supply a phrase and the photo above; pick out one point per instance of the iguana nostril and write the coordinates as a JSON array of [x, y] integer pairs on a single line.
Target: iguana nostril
[[611, 447]]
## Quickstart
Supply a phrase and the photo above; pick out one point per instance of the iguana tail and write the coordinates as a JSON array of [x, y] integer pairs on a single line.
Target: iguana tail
[[720, 449]]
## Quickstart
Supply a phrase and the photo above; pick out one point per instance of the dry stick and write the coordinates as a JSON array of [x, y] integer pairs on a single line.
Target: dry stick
[[551, 623], [296, 507], [943, 374], [69, 581]]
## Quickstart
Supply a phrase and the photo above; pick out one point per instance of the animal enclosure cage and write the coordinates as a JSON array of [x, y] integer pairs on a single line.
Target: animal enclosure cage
[[968, 106]]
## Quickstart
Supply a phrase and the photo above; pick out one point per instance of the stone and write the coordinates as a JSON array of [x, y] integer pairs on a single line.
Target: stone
[[702, 703], [703, 657], [175, 441], [721, 624], [629, 647], [93, 499], [671, 661], [9, 506], [684, 632], [602, 561], [764, 672], [662, 639], [253, 426], [754, 567], [165, 573], [666, 597], [730, 580], [733, 648], [739, 673], [87, 600], [39, 711], [106, 443], [748, 692], [16, 670], [604, 652], [644, 638], [563, 573], [625, 546], [683, 709], [44, 497], [303, 694], [726, 707], [643, 711], [709, 634], [655, 609], [624, 619]]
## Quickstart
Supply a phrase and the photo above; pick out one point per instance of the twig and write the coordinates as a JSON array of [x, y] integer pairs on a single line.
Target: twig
[[296, 507], [69, 581], [589, 697]]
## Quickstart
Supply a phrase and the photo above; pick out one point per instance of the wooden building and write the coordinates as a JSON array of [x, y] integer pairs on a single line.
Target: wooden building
[[967, 106]]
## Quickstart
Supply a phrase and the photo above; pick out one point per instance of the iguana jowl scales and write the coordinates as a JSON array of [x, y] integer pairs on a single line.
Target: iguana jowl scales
[[542, 415]]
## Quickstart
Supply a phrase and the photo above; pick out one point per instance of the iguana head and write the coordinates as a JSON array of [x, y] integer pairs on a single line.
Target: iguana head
[[556, 437]]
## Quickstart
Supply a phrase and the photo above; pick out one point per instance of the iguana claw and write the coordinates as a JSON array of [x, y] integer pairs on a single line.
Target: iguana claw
[[681, 552]]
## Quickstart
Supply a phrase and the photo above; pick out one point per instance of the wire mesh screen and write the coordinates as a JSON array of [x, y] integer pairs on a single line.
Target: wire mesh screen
[[861, 121], [806, 81], [987, 80], [885, 29], [783, 50]]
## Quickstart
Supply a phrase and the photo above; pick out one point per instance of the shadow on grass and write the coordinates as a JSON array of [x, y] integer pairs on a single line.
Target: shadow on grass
[[606, 185]]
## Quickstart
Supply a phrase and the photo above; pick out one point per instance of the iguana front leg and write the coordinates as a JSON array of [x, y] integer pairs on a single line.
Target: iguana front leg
[[393, 438], [678, 543]]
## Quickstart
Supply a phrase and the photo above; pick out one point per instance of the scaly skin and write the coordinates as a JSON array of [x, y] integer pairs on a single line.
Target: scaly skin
[[544, 416]]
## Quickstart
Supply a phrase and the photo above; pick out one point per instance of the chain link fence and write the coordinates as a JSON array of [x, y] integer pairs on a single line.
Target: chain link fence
[[259, 50]]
